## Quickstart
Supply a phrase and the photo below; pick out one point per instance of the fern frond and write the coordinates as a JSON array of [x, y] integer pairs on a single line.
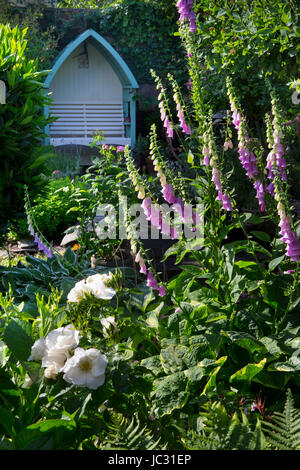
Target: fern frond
[[125, 434], [222, 432], [283, 432]]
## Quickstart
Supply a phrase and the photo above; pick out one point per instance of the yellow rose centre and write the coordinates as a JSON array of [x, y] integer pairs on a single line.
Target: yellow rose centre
[[85, 365]]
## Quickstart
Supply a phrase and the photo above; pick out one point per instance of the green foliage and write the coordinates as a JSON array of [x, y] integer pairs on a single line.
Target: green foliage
[[129, 434], [57, 205], [38, 39], [36, 276], [103, 181], [283, 431], [22, 152], [206, 366], [64, 164], [248, 41], [141, 31], [217, 430]]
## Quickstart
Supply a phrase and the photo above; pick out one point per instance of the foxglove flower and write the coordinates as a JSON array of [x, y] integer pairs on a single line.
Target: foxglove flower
[[146, 205], [143, 269], [228, 145], [185, 127], [210, 159], [168, 193], [206, 154], [226, 203], [260, 194], [151, 281], [289, 237], [178, 206], [168, 127], [161, 291], [185, 9]]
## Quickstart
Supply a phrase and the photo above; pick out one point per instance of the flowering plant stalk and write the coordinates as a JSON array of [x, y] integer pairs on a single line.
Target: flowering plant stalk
[[211, 160], [173, 189], [43, 244], [165, 112], [141, 257], [247, 156], [187, 15], [276, 166], [150, 204], [180, 106]]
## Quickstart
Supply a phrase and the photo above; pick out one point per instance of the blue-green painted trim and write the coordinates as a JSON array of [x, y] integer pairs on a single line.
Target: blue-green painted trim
[[46, 112], [116, 60], [132, 122]]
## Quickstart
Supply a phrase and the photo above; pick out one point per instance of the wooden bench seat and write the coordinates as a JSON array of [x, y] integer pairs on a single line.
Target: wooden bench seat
[[78, 123]]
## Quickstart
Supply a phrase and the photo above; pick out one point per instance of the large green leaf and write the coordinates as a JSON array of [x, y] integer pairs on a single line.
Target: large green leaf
[[249, 371], [17, 336], [171, 393], [51, 434], [172, 358], [212, 379], [244, 340]]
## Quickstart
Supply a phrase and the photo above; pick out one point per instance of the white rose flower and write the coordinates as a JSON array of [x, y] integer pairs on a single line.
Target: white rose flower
[[86, 368], [51, 372], [63, 338], [59, 343], [97, 284], [108, 324], [38, 350], [79, 291], [55, 349]]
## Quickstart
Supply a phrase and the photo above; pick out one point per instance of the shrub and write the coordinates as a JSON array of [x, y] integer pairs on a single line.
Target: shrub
[[22, 153], [56, 207]]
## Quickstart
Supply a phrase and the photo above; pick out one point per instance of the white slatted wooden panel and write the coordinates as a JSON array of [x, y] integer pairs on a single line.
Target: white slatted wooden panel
[[82, 120]]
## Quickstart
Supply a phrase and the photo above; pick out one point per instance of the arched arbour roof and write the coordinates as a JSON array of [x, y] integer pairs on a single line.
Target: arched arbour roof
[[121, 69], [111, 55]]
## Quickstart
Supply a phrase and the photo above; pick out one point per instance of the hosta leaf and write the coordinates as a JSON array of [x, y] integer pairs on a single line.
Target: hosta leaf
[[212, 380], [244, 340], [153, 364], [171, 393], [172, 358], [249, 371], [271, 345], [195, 373], [276, 380]]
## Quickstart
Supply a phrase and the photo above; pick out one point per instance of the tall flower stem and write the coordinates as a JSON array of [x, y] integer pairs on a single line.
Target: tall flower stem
[[291, 299], [165, 111]]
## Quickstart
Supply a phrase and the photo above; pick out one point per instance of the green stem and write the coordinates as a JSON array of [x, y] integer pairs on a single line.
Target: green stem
[[291, 298]]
